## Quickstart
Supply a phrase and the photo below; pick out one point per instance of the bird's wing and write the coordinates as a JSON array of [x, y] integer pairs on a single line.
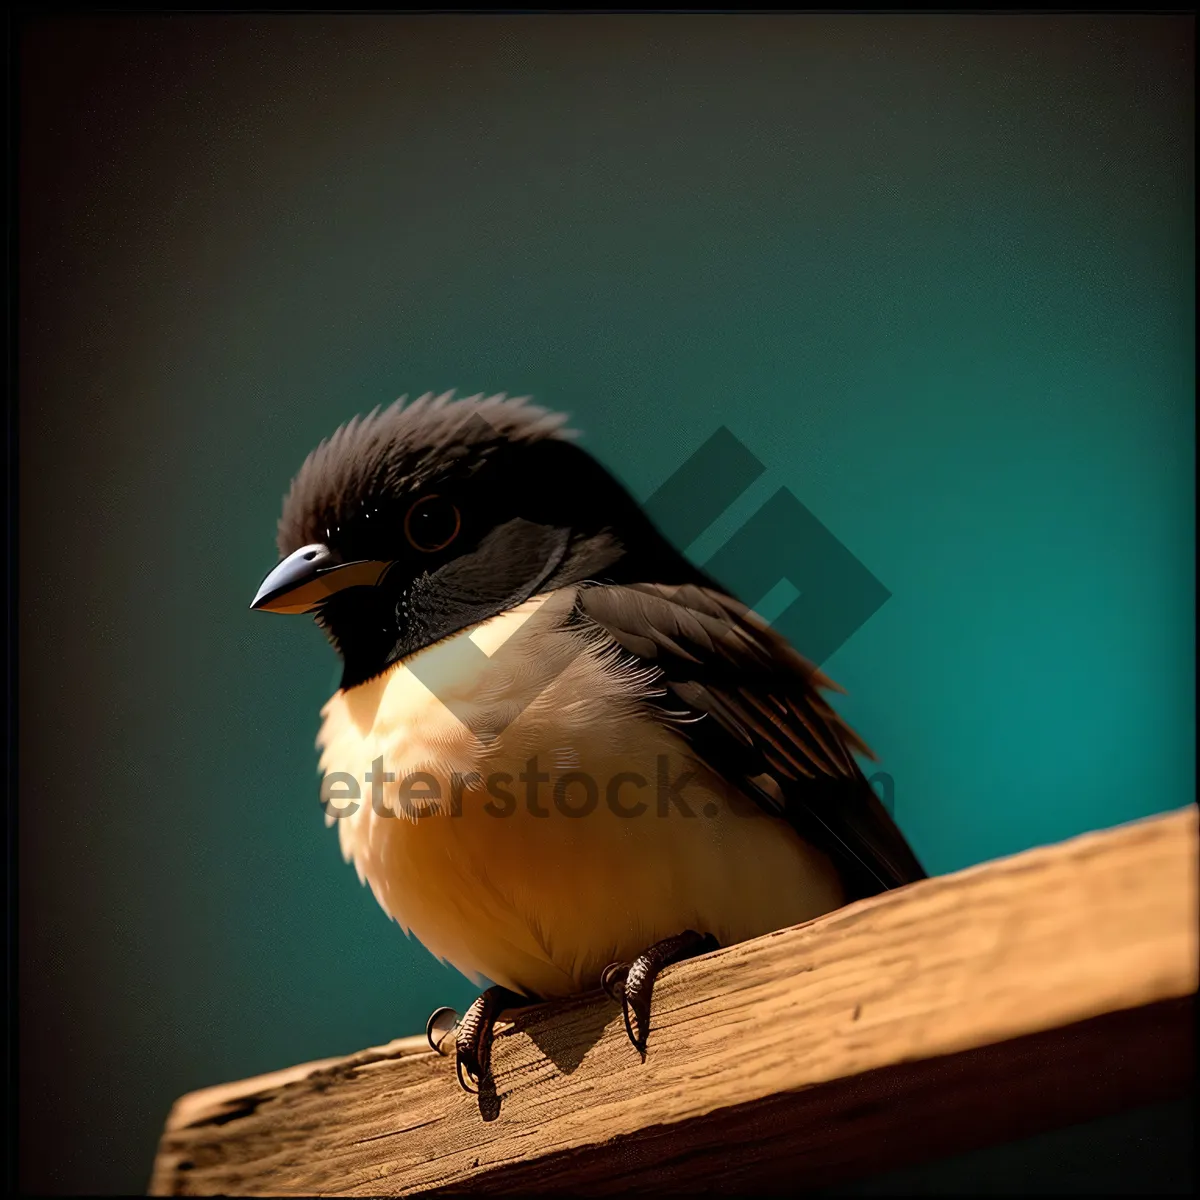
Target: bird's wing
[[762, 722]]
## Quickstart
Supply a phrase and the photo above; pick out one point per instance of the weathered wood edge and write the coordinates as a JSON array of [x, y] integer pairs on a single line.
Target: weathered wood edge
[[228, 1134], [887, 1118]]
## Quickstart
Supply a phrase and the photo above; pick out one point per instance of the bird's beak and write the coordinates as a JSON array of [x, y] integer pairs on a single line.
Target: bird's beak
[[310, 576]]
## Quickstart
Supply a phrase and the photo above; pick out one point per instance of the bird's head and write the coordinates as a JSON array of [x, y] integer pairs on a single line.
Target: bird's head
[[414, 523]]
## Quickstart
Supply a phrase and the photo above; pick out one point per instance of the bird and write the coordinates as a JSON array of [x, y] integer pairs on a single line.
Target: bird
[[561, 755]]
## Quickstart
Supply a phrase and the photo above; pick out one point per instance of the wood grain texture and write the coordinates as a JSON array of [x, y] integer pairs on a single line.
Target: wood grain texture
[[1034, 991]]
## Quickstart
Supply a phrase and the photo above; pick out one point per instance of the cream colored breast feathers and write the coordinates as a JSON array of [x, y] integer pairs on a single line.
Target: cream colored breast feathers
[[539, 823]]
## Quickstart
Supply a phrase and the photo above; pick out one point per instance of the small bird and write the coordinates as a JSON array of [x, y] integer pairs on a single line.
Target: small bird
[[561, 755]]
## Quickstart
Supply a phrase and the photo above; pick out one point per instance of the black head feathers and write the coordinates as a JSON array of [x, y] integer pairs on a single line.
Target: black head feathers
[[414, 523], [392, 453]]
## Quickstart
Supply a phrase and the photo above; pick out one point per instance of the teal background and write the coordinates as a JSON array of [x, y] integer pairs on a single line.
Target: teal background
[[935, 272]]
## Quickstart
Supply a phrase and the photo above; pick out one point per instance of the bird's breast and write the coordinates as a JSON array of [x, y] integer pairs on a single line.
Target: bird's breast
[[514, 803]]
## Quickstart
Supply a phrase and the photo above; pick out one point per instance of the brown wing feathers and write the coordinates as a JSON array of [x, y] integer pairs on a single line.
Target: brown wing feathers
[[766, 726]]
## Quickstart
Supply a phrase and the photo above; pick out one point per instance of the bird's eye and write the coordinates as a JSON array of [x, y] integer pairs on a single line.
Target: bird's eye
[[432, 524]]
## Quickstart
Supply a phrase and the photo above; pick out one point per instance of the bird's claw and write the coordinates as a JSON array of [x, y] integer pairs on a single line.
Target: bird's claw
[[632, 984], [441, 1024], [468, 1070], [445, 1029], [472, 1046], [612, 980], [637, 1006], [473, 1036]]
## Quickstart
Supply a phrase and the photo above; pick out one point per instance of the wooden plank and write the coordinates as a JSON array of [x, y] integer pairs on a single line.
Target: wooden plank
[[1034, 991]]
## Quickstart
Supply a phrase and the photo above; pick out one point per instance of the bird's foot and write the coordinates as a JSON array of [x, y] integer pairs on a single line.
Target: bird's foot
[[472, 1035], [632, 984]]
